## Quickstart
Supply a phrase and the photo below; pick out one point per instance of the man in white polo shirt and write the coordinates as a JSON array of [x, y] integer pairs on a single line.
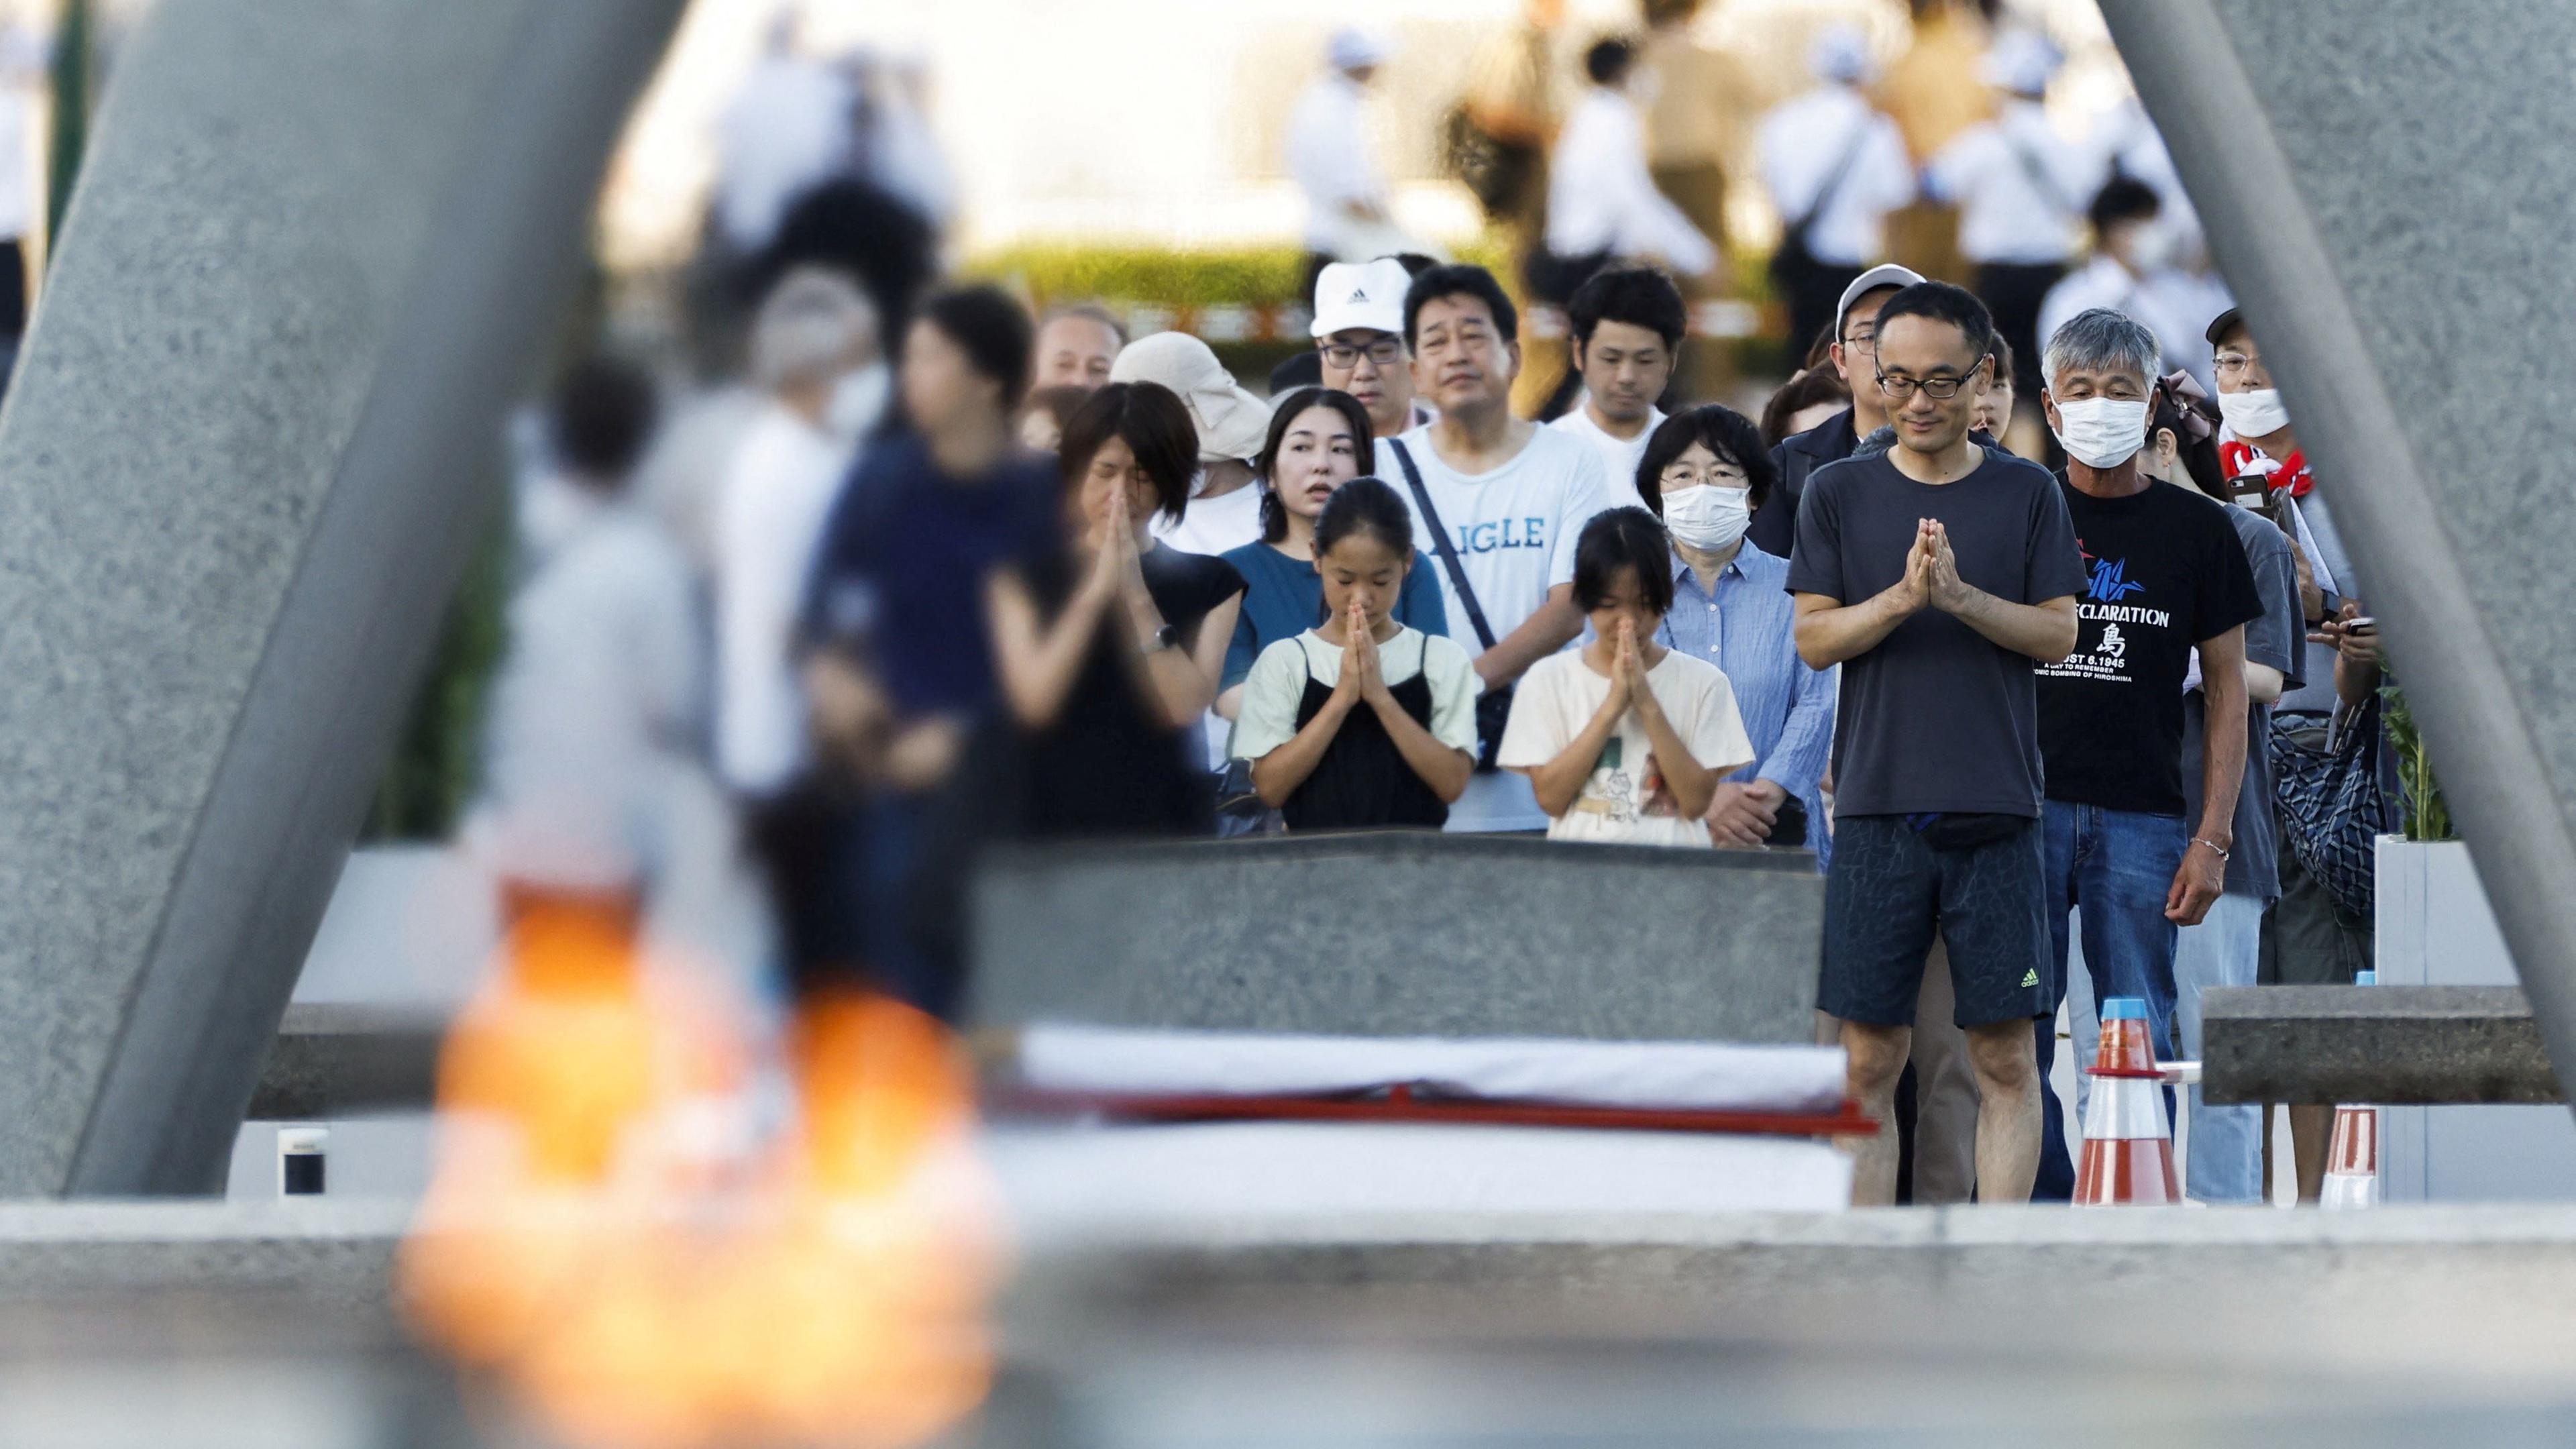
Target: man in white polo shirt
[[1628, 325], [1498, 503], [1359, 340]]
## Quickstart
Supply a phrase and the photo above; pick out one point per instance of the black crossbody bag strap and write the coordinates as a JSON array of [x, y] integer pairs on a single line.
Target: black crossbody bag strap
[[1440, 537]]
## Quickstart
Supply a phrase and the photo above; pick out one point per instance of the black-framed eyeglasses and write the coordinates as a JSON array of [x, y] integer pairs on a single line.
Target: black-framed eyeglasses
[[1941, 389], [1385, 352]]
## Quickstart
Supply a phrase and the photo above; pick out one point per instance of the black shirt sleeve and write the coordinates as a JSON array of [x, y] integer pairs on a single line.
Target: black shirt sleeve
[[1816, 555], [1187, 587], [2052, 566]]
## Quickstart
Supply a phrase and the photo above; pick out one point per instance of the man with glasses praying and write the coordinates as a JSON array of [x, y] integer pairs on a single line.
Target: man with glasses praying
[[1359, 339], [1854, 356], [1936, 573]]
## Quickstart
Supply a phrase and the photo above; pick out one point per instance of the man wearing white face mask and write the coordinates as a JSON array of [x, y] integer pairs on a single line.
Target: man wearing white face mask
[[2164, 576], [1731, 608]]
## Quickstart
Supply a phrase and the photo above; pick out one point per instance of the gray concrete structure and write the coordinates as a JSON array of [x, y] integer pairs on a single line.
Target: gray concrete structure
[[2381, 188], [309, 259], [2384, 1044], [1404, 935], [340, 1060]]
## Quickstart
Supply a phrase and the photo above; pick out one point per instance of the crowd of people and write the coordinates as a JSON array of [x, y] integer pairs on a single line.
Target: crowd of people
[[973, 576]]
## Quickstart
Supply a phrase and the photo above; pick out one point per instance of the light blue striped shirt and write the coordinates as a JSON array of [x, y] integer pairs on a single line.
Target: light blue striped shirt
[[1747, 627]]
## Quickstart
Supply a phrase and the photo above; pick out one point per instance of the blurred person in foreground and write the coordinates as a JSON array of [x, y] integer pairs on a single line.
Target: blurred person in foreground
[[1836, 168], [1318, 441], [1075, 347], [1109, 648], [824, 384], [1628, 325], [899, 662], [1347, 212], [1936, 574], [1854, 356], [1499, 501], [595, 713], [1360, 722], [2022, 191], [2167, 588], [1624, 740], [1705, 474], [1601, 200], [1222, 509], [1359, 342]]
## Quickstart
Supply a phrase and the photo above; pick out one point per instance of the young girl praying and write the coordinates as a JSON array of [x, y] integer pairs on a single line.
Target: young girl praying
[[1360, 721], [1624, 739]]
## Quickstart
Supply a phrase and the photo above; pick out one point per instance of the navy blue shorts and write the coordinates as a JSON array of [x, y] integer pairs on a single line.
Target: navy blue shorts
[[1889, 890]]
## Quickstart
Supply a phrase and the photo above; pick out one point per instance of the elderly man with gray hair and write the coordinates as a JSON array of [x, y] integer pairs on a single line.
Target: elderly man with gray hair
[[2165, 579], [823, 384]]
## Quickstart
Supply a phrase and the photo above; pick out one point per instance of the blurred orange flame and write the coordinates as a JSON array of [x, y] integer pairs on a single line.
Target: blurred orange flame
[[605, 1238]]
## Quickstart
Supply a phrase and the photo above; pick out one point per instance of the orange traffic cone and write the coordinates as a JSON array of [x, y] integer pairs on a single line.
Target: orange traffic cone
[[2352, 1159], [2128, 1144]]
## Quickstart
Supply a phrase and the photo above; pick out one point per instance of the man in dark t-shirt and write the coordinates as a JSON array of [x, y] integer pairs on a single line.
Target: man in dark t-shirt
[[2165, 577], [1934, 574]]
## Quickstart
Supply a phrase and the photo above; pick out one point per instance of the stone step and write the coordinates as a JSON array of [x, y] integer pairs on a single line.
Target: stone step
[[2392, 1045]]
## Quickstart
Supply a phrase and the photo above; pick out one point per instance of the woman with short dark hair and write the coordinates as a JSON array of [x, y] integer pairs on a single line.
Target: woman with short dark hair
[[1108, 650], [1319, 440], [1625, 740], [1704, 473]]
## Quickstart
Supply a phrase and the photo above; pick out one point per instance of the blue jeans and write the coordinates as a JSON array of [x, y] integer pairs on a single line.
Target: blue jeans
[[2116, 867]]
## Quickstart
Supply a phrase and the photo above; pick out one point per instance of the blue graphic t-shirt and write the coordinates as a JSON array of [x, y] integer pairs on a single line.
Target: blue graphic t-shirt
[[2163, 570]]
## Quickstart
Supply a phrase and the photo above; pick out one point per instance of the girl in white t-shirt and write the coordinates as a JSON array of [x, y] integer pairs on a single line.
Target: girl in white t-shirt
[[1360, 721], [1625, 740]]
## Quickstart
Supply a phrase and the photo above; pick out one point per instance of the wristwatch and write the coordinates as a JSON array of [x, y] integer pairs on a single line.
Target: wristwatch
[[1164, 638]]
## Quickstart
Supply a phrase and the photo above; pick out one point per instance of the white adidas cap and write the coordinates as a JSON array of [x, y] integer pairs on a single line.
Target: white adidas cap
[[1361, 294]]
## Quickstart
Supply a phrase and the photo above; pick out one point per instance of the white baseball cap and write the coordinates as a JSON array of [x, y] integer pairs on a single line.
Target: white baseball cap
[[1885, 274], [1361, 294]]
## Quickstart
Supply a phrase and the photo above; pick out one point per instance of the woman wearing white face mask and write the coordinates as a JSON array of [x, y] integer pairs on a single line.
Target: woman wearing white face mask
[[1704, 472]]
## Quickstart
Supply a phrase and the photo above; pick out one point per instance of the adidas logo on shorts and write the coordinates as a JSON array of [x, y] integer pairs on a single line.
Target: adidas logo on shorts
[[2030, 977]]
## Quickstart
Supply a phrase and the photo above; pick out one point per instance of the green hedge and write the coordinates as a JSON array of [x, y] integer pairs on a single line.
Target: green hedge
[[1241, 276]]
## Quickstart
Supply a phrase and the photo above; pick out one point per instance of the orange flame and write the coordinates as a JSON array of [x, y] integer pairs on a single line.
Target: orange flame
[[602, 1238]]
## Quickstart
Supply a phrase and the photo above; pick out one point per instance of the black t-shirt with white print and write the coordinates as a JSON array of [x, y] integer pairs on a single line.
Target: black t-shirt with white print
[[2163, 570]]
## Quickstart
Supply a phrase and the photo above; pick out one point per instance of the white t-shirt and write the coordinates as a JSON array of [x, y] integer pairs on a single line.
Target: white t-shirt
[[777, 493], [1625, 801], [1276, 688], [1619, 456], [1514, 529], [1213, 525]]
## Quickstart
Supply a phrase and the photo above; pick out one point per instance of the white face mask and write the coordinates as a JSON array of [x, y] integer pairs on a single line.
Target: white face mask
[[2102, 432], [2153, 246], [2255, 414], [858, 401], [1708, 517]]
